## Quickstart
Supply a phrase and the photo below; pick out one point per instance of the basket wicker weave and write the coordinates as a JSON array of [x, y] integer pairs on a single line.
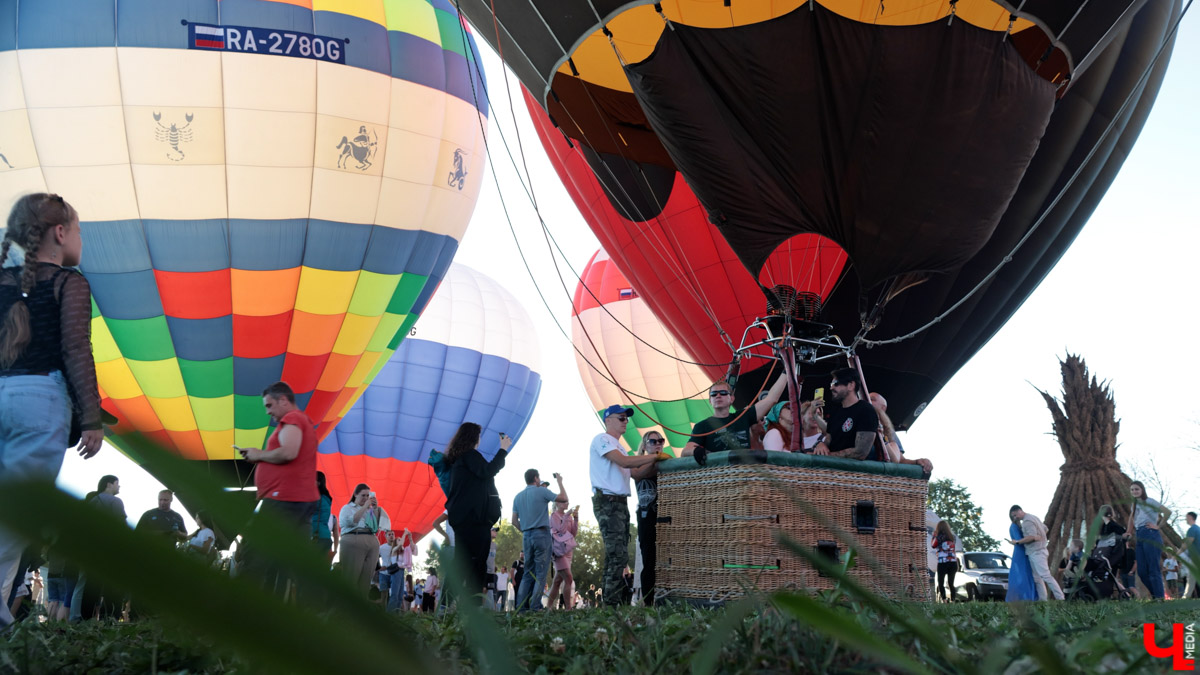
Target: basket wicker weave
[[719, 524]]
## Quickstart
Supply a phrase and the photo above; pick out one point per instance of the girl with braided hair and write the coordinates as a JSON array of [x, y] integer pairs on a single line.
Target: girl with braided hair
[[47, 374]]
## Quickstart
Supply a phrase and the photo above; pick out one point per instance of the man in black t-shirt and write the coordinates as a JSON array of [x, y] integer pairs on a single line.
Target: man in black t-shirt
[[850, 431], [732, 429], [164, 520]]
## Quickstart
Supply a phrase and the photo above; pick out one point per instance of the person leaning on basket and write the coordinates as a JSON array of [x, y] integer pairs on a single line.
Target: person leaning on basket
[[727, 431], [609, 469]]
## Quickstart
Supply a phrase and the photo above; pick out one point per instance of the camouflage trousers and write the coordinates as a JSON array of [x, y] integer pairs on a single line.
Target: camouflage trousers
[[613, 516]]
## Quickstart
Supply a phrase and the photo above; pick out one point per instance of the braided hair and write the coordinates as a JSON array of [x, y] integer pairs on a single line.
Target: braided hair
[[28, 222]]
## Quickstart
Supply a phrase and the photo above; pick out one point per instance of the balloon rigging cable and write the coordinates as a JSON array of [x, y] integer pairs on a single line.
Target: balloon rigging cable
[[609, 377], [554, 240], [542, 296]]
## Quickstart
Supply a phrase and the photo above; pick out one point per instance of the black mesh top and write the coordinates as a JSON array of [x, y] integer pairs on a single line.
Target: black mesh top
[[61, 331]]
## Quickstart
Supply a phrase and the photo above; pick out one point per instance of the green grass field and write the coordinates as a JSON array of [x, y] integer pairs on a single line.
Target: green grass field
[[979, 637]]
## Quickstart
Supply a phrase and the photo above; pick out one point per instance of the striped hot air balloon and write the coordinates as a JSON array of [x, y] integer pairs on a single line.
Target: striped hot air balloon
[[472, 357], [268, 190], [628, 346]]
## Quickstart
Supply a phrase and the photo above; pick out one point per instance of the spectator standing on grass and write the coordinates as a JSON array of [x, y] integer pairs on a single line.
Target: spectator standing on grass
[[564, 525], [429, 599], [1147, 514], [285, 473], [1191, 544], [324, 537], [947, 562], [473, 503], [163, 520], [1112, 542], [501, 592], [204, 539], [360, 521], [518, 575], [645, 479], [531, 519], [1035, 548], [609, 469], [1020, 573], [47, 373], [391, 574], [92, 597], [61, 577], [1170, 569]]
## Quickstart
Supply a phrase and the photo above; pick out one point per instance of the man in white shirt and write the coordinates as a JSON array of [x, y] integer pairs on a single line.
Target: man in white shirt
[[1035, 549], [609, 469], [391, 584]]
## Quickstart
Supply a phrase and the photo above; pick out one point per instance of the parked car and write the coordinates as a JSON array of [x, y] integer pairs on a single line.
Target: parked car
[[981, 576]]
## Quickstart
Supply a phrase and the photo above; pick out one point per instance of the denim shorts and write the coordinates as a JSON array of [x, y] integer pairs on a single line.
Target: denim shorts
[[35, 420], [60, 589]]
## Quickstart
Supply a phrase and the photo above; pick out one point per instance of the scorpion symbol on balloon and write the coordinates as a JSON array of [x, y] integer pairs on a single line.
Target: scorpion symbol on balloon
[[173, 135]]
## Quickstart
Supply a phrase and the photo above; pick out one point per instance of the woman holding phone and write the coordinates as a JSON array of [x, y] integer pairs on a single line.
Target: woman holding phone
[[473, 504], [360, 522]]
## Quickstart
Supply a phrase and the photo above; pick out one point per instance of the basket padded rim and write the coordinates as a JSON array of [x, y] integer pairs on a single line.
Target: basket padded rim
[[717, 459]]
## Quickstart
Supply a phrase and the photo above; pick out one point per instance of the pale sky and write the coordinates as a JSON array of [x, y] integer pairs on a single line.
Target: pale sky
[[1121, 297]]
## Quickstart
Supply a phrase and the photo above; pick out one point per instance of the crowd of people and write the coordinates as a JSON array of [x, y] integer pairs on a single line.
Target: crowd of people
[[1119, 558], [855, 427], [49, 400]]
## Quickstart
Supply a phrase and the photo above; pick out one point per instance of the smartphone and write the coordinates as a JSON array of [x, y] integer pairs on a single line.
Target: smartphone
[[372, 495], [819, 394]]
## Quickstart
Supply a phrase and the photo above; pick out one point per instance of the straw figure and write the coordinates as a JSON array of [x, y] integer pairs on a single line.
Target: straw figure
[[1086, 426]]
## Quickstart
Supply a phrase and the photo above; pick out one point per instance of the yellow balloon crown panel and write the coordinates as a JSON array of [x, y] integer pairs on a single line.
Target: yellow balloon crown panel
[[269, 190]]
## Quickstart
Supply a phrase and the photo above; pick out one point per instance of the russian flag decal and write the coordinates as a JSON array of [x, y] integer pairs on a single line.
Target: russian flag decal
[[206, 36]]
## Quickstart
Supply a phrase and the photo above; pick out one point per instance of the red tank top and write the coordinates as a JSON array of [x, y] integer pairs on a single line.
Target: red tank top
[[295, 481]]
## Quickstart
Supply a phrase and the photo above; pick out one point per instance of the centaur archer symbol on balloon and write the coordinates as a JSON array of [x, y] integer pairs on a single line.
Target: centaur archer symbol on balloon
[[173, 134], [458, 177], [362, 148]]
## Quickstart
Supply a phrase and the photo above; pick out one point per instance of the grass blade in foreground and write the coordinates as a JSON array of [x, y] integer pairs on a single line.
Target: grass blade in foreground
[[232, 612]]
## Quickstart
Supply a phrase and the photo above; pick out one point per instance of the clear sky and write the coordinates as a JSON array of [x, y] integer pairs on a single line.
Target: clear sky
[[1121, 297]]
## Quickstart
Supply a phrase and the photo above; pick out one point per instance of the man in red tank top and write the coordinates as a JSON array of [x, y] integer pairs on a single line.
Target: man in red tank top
[[285, 472]]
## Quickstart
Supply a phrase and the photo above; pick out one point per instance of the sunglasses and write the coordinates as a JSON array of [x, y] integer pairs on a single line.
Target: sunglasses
[[719, 392], [656, 441]]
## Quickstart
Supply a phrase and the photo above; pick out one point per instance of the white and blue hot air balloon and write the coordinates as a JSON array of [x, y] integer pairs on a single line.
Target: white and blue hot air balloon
[[472, 357]]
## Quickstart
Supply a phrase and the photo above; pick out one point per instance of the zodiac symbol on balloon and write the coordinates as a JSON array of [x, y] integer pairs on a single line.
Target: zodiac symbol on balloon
[[362, 148], [5, 160], [173, 135], [458, 177]]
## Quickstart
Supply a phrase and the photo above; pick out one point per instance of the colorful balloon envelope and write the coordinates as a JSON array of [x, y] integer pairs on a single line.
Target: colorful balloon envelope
[[627, 357], [921, 141], [269, 190], [472, 357]]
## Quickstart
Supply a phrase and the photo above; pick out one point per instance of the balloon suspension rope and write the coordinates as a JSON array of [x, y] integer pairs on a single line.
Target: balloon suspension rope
[[879, 435], [794, 381]]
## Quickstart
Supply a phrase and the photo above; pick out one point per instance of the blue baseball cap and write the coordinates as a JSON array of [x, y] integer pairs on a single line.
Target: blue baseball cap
[[617, 410]]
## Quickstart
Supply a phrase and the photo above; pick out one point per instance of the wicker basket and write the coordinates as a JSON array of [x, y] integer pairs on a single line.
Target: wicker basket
[[718, 525]]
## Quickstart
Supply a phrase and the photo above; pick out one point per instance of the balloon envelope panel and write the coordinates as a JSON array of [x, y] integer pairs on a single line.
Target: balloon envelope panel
[[634, 360], [268, 191], [472, 357]]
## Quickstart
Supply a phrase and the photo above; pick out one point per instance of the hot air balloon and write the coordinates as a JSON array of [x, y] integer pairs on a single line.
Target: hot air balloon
[[632, 360], [472, 357], [925, 140], [270, 190]]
